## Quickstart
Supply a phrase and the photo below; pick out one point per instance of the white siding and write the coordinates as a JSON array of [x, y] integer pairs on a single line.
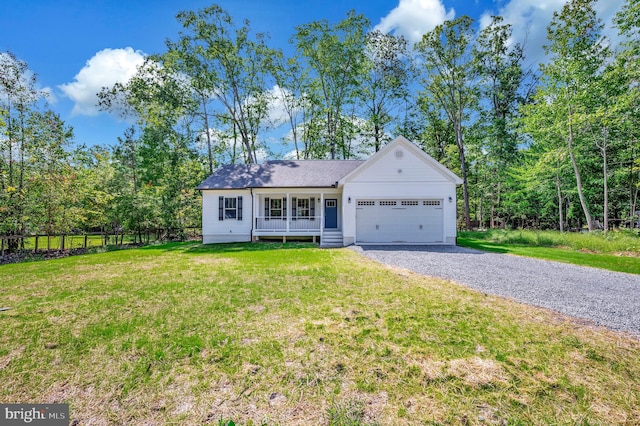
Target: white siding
[[409, 168], [215, 230], [409, 175], [393, 191]]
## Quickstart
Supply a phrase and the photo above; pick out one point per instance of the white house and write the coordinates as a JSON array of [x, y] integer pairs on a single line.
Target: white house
[[400, 195]]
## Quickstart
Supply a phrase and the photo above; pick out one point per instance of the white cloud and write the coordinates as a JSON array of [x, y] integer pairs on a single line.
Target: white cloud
[[107, 67], [48, 93], [277, 111], [530, 19], [413, 18]]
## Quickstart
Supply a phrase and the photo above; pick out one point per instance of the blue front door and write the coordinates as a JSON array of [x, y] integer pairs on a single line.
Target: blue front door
[[331, 213]]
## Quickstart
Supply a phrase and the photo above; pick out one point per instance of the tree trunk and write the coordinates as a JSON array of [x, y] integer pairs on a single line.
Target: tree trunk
[[251, 155], [583, 203], [206, 125], [376, 135], [606, 181], [463, 169], [561, 221], [492, 222], [292, 123], [331, 135]]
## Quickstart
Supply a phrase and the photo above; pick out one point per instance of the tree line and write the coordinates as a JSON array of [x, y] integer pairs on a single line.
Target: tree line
[[552, 147]]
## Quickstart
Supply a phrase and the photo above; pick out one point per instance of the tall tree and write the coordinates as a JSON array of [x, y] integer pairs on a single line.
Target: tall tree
[[499, 65], [224, 63], [288, 77], [334, 56], [625, 74], [19, 113], [385, 81], [167, 166], [578, 53], [545, 171], [451, 82], [53, 182]]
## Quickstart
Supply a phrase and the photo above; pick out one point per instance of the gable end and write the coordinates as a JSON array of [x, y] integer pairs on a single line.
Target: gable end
[[401, 161]]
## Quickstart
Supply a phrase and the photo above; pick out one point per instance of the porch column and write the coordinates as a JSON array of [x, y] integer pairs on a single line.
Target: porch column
[[288, 212], [321, 216], [254, 216]]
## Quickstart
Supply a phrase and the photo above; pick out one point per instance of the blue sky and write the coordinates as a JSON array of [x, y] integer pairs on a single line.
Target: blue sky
[[76, 46]]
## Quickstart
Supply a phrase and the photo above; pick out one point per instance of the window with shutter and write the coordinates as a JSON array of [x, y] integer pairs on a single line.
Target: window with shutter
[[240, 208], [220, 208]]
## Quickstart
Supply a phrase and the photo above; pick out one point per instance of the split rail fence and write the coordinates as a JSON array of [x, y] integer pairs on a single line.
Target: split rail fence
[[46, 243]]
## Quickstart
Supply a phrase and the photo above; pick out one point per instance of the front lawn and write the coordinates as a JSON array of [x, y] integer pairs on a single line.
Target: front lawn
[[292, 334]]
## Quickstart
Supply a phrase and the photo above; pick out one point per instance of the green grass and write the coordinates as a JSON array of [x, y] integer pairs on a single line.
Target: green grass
[[615, 251], [292, 334]]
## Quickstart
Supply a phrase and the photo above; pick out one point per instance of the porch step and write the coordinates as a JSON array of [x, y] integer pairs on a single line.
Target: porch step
[[331, 239]]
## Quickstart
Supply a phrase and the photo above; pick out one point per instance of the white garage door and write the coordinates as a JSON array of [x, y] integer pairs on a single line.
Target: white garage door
[[399, 221]]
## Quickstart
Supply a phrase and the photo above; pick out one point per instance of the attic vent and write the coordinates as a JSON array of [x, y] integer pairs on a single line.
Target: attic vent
[[431, 203], [399, 153]]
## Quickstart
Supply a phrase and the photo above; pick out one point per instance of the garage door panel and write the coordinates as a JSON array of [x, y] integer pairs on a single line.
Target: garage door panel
[[399, 221]]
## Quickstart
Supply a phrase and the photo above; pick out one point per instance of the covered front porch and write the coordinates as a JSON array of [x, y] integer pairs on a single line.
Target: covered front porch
[[296, 214]]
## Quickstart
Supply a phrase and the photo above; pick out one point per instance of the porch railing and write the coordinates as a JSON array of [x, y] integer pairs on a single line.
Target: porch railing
[[308, 224]]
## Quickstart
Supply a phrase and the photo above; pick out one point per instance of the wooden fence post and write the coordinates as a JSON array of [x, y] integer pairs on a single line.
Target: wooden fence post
[[85, 240], [35, 250]]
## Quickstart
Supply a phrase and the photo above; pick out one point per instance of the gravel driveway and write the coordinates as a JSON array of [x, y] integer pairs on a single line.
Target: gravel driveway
[[611, 299]]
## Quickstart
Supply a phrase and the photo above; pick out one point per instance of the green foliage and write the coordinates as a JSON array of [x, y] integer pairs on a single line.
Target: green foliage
[[224, 64], [598, 242], [38, 184], [450, 82], [564, 101], [384, 86], [335, 59]]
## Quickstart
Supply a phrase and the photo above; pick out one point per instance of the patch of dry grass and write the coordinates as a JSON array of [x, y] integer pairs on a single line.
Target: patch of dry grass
[[272, 334]]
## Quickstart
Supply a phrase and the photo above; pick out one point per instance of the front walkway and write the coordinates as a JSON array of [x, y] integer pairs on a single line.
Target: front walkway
[[610, 299]]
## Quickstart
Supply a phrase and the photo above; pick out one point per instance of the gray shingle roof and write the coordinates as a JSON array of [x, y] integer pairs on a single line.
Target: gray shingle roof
[[280, 174]]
